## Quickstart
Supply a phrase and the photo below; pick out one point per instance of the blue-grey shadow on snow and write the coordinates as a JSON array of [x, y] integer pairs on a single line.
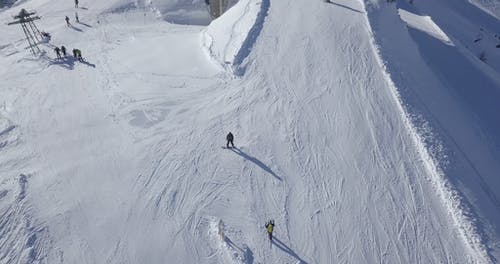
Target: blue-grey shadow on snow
[[344, 6], [67, 62], [88, 63], [286, 249], [481, 97], [85, 24], [75, 28], [251, 38], [256, 161], [479, 92], [7, 130], [247, 253], [475, 91]]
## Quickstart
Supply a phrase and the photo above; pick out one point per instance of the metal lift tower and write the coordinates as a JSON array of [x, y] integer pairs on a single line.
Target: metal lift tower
[[32, 33]]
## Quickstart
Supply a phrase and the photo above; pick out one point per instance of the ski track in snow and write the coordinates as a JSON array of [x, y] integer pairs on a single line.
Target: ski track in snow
[[119, 159]]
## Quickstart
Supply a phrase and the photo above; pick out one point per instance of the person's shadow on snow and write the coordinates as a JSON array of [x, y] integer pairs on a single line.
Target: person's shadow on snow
[[85, 24], [68, 62], [87, 63], [344, 6], [75, 28], [256, 161], [246, 252], [286, 249]]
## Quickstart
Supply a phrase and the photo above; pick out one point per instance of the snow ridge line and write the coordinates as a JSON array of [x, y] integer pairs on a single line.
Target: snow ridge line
[[450, 197], [242, 23], [252, 36]]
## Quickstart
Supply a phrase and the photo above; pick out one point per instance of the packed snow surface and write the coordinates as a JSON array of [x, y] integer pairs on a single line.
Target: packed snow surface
[[369, 131], [423, 23]]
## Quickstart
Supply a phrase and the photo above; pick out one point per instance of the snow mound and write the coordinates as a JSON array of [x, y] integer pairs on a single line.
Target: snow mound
[[425, 24], [227, 250], [229, 38], [122, 8], [175, 12]]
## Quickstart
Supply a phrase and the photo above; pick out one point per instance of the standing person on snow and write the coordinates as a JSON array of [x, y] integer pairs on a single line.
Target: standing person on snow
[[76, 3], [270, 228], [229, 139], [67, 21], [78, 54], [76, 17], [58, 52], [63, 49]]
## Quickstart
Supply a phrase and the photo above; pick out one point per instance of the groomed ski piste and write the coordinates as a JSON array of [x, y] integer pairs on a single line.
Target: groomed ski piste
[[369, 131]]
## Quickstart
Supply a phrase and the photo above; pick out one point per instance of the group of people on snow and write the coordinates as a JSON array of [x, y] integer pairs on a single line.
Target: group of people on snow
[[76, 16], [77, 54], [59, 50], [269, 225]]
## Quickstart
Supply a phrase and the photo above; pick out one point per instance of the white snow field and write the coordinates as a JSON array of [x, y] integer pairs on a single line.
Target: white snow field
[[369, 131]]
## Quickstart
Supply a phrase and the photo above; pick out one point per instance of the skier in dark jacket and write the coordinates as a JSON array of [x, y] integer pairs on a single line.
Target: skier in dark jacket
[[270, 229], [67, 21], [58, 52], [230, 139], [63, 50]]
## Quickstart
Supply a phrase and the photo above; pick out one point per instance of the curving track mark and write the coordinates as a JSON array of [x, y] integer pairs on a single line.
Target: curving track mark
[[7, 130], [22, 240]]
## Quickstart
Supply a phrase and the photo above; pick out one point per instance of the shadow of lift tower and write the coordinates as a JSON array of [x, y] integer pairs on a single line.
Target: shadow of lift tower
[[217, 7]]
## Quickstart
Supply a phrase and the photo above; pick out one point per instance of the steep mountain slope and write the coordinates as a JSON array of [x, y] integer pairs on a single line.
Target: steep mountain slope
[[453, 95], [118, 159]]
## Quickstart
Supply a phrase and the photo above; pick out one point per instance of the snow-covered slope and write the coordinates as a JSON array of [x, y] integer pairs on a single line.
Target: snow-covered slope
[[490, 6], [453, 95], [353, 133]]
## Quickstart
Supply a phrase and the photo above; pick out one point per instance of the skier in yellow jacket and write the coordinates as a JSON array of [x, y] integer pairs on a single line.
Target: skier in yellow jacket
[[270, 228]]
